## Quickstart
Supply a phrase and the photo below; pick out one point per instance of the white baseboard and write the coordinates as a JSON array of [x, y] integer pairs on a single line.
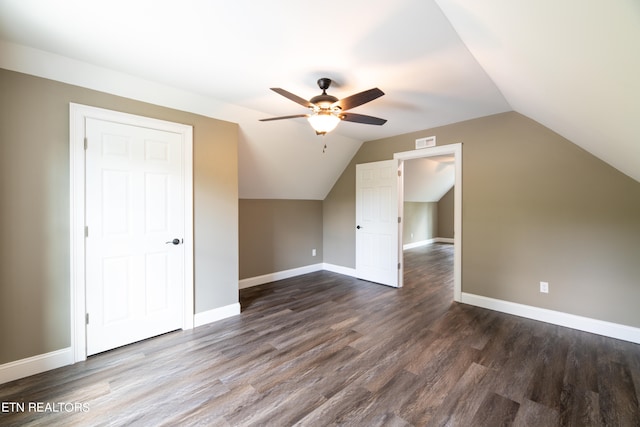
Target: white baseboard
[[216, 314], [286, 274], [279, 275], [445, 240], [594, 326], [35, 365], [339, 269], [427, 242], [418, 244]]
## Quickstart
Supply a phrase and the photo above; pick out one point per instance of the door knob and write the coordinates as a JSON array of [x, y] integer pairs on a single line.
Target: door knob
[[174, 241], [358, 227]]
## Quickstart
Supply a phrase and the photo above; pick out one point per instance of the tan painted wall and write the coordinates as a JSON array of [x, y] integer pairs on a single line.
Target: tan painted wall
[[535, 208], [446, 207], [428, 220], [34, 206], [278, 235], [419, 221]]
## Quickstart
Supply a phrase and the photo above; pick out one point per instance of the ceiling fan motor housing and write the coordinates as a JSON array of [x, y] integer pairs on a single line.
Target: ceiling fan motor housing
[[323, 101]]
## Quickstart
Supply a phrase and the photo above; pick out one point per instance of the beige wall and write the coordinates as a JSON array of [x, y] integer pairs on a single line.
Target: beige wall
[[428, 220], [420, 221], [34, 207], [446, 215], [535, 208], [278, 235]]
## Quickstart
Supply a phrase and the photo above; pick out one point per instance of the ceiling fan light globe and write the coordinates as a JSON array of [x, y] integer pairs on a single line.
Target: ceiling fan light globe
[[323, 122]]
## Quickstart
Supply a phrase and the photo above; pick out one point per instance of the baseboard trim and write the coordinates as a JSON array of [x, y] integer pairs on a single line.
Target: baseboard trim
[[427, 242], [36, 364], [339, 269], [418, 244], [279, 275], [586, 324], [286, 274], [444, 240], [216, 314]]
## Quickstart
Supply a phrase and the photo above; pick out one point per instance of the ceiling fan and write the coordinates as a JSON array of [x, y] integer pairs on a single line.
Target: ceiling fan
[[327, 111]]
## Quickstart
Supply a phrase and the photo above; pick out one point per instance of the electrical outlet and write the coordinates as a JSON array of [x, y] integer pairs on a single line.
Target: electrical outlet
[[544, 287], [313, 252]]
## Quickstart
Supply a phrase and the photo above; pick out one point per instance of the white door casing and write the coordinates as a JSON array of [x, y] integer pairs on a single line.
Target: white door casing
[[456, 151], [147, 202], [377, 222]]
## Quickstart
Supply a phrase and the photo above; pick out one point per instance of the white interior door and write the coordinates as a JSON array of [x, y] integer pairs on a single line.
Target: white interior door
[[377, 223], [134, 211]]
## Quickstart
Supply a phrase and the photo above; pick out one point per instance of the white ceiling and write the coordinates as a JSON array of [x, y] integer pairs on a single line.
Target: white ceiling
[[570, 65], [427, 179]]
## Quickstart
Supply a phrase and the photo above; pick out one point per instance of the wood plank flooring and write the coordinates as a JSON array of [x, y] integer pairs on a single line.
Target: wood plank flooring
[[326, 349]]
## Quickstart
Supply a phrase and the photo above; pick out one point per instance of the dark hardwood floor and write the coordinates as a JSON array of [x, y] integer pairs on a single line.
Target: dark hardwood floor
[[326, 349]]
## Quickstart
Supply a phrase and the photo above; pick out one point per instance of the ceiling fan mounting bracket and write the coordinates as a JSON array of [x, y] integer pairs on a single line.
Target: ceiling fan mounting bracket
[[324, 83]]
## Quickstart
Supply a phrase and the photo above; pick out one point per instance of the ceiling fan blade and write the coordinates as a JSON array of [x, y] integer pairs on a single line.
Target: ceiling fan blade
[[361, 118], [293, 97], [359, 99], [284, 117]]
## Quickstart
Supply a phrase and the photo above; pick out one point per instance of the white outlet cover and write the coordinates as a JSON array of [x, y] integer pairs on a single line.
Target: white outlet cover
[[544, 287]]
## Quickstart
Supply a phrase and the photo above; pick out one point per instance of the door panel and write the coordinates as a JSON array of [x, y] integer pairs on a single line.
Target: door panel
[[377, 222], [134, 200], [156, 281], [156, 203], [116, 288]]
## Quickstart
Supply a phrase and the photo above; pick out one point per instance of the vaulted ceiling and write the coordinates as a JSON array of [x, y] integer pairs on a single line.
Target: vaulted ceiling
[[570, 65], [427, 179]]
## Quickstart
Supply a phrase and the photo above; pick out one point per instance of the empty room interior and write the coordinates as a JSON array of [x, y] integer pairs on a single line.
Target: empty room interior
[[413, 213]]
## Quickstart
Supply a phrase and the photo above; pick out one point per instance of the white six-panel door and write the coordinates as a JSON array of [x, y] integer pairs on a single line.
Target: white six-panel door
[[134, 211], [377, 222]]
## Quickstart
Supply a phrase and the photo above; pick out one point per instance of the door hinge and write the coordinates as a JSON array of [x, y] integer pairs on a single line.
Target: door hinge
[[399, 266], [86, 231], [86, 142], [399, 173], [399, 220], [86, 318]]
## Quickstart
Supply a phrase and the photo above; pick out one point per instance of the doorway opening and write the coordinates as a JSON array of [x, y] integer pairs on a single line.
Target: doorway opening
[[454, 154]]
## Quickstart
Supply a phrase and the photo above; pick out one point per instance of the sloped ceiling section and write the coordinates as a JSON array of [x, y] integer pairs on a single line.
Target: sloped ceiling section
[[571, 65], [428, 179], [229, 53]]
